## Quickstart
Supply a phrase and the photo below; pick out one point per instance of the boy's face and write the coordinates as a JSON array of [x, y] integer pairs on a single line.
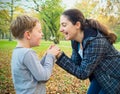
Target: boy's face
[[36, 35]]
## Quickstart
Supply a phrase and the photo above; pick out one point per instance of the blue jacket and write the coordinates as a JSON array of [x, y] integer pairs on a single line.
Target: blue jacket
[[100, 59]]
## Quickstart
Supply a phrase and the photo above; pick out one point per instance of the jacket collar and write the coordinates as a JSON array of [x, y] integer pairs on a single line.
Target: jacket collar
[[88, 33]]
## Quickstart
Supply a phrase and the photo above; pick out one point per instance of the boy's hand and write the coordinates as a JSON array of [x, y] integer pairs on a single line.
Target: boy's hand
[[53, 49]]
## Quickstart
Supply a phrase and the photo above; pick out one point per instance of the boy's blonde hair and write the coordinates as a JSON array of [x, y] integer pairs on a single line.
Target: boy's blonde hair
[[21, 24]]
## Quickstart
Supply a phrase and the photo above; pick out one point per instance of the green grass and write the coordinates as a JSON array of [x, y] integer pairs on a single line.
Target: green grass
[[64, 45], [117, 45], [5, 44]]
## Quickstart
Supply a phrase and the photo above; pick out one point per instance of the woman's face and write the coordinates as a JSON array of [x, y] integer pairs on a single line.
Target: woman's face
[[69, 30]]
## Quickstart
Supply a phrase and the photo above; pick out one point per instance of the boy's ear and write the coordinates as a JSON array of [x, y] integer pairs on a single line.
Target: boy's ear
[[27, 35], [78, 25]]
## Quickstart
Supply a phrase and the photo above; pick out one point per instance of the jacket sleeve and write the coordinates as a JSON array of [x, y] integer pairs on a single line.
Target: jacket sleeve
[[93, 53]]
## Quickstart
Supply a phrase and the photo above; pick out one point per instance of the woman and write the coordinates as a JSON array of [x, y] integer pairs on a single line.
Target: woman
[[93, 54]]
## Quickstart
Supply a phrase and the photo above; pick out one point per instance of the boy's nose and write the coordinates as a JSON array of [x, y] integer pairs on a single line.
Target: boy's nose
[[42, 34]]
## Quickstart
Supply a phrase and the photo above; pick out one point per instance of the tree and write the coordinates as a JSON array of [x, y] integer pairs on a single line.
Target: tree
[[106, 11], [7, 10], [110, 10], [4, 22], [8, 14], [50, 11], [86, 7]]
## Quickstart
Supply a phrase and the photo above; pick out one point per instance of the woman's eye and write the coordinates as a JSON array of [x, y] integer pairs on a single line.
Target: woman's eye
[[64, 25]]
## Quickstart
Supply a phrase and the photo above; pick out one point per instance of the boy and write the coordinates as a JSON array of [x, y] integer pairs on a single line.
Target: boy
[[28, 72]]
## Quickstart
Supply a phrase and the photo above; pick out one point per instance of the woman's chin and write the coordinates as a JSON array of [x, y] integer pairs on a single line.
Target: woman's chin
[[67, 38]]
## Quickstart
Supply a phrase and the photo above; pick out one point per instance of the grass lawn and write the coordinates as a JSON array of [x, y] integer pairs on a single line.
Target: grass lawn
[[60, 82]]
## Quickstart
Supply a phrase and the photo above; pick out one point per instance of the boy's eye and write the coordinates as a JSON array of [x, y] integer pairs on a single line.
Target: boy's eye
[[39, 31]]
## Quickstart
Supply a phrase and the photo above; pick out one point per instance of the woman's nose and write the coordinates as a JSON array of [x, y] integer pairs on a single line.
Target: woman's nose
[[61, 29]]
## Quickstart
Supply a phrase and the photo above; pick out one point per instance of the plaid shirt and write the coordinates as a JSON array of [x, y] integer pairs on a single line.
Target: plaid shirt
[[100, 59]]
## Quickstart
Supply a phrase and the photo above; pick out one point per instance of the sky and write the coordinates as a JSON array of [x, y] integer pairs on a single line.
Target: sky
[[69, 3]]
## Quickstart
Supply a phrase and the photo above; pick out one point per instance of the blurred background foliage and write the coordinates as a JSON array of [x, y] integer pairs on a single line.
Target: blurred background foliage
[[49, 11]]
